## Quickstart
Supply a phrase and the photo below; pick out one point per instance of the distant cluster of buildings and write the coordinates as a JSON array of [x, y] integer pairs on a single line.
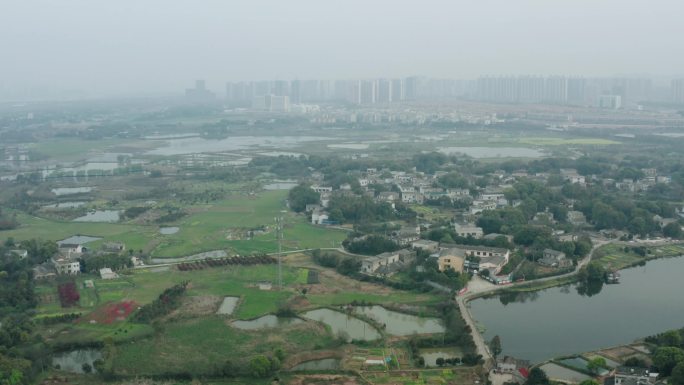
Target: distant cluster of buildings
[[598, 92], [611, 93], [361, 92]]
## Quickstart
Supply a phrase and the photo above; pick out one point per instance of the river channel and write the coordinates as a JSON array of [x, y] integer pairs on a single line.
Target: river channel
[[558, 321]]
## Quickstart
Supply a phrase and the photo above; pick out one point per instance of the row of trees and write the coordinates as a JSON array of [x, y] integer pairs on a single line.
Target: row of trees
[[93, 263], [21, 357], [237, 260], [167, 301]]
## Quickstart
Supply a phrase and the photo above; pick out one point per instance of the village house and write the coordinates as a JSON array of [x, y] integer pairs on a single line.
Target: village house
[[44, 271], [312, 207], [468, 230], [71, 248], [113, 247], [456, 193], [576, 218], [480, 258], [451, 259], [325, 199], [493, 236], [510, 364], [479, 206], [66, 265], [19, 253], [388, 196], [426, 245], [321, 189], [379, 264], [491, 196], [626, 375], [319, 218], [554, 258], [406, 235], [572, 176], [107, 273]]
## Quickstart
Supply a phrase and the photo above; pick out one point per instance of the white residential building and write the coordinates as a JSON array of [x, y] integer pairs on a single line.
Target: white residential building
[[468, 230]]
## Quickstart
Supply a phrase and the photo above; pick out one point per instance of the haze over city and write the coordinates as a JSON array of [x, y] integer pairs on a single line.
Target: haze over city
[[341, 192], [86, 48]]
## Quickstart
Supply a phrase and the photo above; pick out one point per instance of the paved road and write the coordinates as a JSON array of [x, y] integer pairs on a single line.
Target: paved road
[[178, 261]]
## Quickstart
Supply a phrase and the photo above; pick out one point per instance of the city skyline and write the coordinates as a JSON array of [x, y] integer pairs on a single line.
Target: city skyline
[[95, 48]]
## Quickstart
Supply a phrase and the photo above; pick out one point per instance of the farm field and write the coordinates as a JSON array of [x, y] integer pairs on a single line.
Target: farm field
[[197, 345], [615, 257], [208, 227]]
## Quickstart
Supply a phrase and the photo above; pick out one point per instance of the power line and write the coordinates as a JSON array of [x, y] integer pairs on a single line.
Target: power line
[[279, 236]]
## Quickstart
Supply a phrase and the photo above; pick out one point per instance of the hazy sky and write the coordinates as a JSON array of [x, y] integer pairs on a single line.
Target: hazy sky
[[132, 46]]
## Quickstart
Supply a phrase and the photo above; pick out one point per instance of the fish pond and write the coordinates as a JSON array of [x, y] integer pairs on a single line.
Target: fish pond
[[401, 324], [343, 324], [573, 319]]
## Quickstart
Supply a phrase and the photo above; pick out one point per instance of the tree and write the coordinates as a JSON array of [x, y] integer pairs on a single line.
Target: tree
[[279, 354], [636, 362], [589, 382], [259, 366], [228, 369], [670, 338], [595, 364], [537, 377], [302, 195], [677, 376], [86, 368], [666, 358], [495, 346], [673, 230], [440, 361]]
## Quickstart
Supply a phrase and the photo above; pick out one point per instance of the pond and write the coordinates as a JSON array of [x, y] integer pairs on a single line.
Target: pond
[[280, 185], [71, 190], [400, 324], [168, 230], [343, 324], [100, 216], [228, 305], [197, 145], [323, 364], [581, 364], [560, 321], [431, 355], [265, 322], [350, 146], [73, 361], [78, 240], [65, 205], [493, 152]]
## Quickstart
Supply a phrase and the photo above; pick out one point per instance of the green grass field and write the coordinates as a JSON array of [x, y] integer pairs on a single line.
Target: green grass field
[[74, 149], [541, 141], [206, 228], [209, 226], [614, 257], [196, 345]]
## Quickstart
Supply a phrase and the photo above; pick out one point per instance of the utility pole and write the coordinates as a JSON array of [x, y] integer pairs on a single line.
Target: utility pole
[[279, 236]]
